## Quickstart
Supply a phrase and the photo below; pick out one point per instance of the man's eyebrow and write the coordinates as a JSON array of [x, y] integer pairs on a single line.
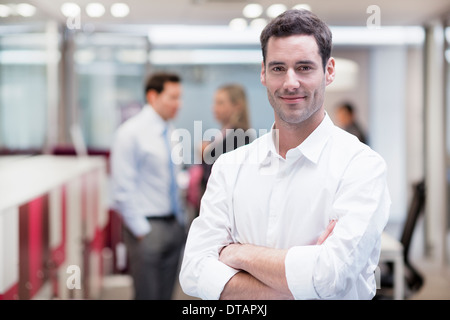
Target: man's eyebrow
[[310, 62], [303, 62], [275, 63]]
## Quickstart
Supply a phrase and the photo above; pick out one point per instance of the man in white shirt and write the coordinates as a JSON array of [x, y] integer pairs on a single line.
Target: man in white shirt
[[145, 190], [297, 214]]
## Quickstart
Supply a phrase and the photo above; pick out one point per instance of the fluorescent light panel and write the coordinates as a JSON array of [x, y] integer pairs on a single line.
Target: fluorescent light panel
[[200, 35], [223, 35], [204, 56]]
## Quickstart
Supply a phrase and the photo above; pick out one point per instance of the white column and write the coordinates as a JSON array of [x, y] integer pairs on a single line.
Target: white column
[[435, 170], [53, 58], [388, 120]]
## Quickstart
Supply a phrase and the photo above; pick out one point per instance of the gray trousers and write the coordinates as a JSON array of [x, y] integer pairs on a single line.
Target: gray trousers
[[154, 260]]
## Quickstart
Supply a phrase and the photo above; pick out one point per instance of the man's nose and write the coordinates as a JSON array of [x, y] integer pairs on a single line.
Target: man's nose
[[291, 81]]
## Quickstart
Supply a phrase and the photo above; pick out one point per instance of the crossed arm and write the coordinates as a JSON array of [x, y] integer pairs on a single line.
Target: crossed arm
[[262, 273]]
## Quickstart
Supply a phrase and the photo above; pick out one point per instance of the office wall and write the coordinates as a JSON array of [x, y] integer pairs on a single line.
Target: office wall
[[358, 93], [387, 119]]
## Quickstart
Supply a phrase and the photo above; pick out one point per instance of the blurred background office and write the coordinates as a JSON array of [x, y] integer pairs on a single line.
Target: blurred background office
[[71, 71]]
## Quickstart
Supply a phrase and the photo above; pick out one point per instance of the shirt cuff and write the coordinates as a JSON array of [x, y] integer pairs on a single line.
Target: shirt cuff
[[299, 267], [213, 279]]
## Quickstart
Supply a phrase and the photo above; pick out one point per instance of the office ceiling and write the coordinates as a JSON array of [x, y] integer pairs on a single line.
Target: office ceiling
[[220, 12]]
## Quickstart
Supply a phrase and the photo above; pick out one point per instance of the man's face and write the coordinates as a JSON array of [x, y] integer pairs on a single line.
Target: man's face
[[168, 102], [294, 77]]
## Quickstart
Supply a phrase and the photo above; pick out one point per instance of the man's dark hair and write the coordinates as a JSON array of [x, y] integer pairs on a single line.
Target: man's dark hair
[[348, 107], [299, 22], [156, 81]]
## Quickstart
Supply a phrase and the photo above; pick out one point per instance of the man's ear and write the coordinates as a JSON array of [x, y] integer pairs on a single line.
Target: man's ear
[[330, 71], [263, 74], [151, 96]]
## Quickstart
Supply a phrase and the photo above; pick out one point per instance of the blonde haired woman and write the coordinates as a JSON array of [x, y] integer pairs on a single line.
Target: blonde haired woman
[[231, 111], [230, 107]]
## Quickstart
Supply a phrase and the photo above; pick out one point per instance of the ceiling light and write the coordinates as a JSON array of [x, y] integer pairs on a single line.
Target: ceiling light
[[164, 35], [70, 9], [276, 9], [95, 10], [120, 10], [393, 35], [302, 7], [205, 56], [168, 35], [25, 9], [238, 24], [5, 11], [252, 10]]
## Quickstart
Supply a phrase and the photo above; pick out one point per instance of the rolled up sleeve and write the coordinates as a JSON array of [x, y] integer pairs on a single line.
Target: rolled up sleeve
[[213, 279], [342, 267], [202, 274], [301, 283]]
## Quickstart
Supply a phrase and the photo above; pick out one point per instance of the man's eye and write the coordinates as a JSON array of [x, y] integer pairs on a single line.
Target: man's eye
[[277, 69], [304, 68]]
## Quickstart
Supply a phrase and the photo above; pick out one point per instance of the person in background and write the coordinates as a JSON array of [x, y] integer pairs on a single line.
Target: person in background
[[145, 190], [231, 111], [299, 212], [346, 119]]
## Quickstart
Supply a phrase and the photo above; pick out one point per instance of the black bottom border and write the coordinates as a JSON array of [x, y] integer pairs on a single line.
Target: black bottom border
[[233, 310]]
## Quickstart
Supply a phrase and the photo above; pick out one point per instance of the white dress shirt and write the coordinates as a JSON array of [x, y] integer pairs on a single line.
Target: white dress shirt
[[140, 170], [254, 196]]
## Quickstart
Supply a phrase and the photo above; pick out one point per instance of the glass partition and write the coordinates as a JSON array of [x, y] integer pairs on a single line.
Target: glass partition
[[23, 89], [109, 70]]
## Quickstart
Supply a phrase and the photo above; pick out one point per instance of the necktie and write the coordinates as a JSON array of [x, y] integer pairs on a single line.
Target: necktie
[[174, 200]]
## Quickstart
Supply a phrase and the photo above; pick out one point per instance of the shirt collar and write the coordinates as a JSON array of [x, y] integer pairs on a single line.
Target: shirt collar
[[311, 148]]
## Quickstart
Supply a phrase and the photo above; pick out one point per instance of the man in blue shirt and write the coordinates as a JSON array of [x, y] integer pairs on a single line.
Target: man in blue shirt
[[145, 190]]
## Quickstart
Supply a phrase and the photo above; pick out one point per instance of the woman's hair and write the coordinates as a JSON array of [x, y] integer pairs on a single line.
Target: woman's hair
[[238, 97]]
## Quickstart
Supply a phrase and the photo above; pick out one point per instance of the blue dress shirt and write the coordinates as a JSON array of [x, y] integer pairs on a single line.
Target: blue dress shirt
[[141, 171]]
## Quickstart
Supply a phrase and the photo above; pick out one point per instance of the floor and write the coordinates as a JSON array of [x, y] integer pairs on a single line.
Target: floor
[[436, 274], [119, 287], [437, 281]]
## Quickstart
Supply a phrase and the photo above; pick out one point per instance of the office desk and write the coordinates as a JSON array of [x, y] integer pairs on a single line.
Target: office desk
[[392, 251], [53, 218]]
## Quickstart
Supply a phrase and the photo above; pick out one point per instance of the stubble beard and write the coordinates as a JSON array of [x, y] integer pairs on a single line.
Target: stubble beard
[[293, 116]]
